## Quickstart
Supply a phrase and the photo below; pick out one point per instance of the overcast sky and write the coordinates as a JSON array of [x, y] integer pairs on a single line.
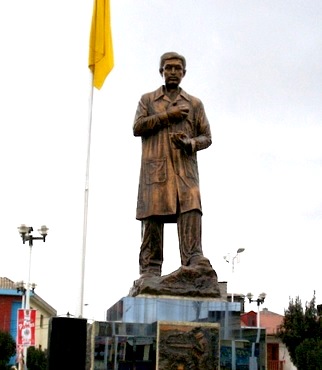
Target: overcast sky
[[257, 67]]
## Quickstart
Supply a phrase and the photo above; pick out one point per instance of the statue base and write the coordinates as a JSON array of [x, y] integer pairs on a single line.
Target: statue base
[[163, 332], [199, 281]]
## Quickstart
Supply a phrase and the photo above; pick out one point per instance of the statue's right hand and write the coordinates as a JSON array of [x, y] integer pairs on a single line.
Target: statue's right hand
[[177, 112]]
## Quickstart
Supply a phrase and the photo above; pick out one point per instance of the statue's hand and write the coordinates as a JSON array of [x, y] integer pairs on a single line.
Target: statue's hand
[[177, 112], [181, 141]]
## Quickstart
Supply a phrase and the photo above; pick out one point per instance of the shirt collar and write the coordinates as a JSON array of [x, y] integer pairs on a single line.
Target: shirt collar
[[160, 93]]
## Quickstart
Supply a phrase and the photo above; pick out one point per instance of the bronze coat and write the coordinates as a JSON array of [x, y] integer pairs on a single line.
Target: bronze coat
[[169, 179]]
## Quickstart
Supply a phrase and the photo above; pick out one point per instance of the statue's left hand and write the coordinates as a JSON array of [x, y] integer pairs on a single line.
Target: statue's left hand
[[181, 141]]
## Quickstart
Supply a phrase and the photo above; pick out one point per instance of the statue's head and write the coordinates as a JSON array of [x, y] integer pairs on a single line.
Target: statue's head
[[171, 55]]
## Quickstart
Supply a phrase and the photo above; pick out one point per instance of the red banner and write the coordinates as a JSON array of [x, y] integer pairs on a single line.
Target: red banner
[[26, 328]]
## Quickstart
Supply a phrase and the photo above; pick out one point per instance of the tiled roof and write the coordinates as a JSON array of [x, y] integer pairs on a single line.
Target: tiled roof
[[268, 320], [6, 283]]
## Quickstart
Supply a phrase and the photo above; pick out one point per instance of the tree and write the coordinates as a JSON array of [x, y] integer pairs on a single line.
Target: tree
[[7, 349], [301, 332], [309, 354], [36, 359]]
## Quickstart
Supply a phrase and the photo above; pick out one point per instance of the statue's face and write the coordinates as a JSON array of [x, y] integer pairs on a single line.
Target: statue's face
[[173, 72]]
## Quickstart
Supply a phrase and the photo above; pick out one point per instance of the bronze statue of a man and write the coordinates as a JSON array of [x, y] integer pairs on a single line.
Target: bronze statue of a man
[[173, 126]]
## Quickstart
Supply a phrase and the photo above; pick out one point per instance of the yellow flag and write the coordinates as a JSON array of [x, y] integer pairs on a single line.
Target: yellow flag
[[101, 58]]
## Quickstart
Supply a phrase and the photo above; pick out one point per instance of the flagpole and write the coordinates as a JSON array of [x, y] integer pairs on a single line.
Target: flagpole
[[86, 194], [100, 63]]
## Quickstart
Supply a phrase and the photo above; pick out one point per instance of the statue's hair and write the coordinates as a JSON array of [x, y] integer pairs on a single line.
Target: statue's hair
[[171, 55]]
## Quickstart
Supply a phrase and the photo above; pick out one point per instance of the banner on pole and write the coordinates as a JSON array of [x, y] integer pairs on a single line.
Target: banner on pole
[[101, 55], [26, 327]]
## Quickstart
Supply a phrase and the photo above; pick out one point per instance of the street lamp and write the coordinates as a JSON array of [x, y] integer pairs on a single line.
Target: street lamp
[[21, 287], [26, 235], [239, 250], [25, 232], [260, 300]]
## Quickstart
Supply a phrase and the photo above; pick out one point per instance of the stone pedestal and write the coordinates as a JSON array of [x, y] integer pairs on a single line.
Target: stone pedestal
[[144, 331], [147, 331], [199, 281], [145, 309]]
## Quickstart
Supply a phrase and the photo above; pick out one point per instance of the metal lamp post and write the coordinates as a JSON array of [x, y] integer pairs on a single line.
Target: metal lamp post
[[21, 287], [233, 345], [260, 300], [26, 235], [239, 250]]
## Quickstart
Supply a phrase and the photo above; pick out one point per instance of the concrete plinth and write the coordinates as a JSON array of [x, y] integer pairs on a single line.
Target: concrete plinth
[[144, 331], [150, 309]]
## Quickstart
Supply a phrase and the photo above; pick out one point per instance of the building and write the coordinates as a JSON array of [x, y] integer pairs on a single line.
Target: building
[[11, 300], [278, 357]]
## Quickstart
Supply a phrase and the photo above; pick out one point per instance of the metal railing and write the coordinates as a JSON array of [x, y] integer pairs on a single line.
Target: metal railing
[[275, 365]]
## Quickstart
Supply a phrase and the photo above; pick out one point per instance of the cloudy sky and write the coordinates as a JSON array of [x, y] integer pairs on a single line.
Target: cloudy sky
[[257, 67]]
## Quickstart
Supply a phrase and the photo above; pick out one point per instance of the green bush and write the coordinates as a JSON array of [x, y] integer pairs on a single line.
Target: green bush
[[7, 349], [36, 359]]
